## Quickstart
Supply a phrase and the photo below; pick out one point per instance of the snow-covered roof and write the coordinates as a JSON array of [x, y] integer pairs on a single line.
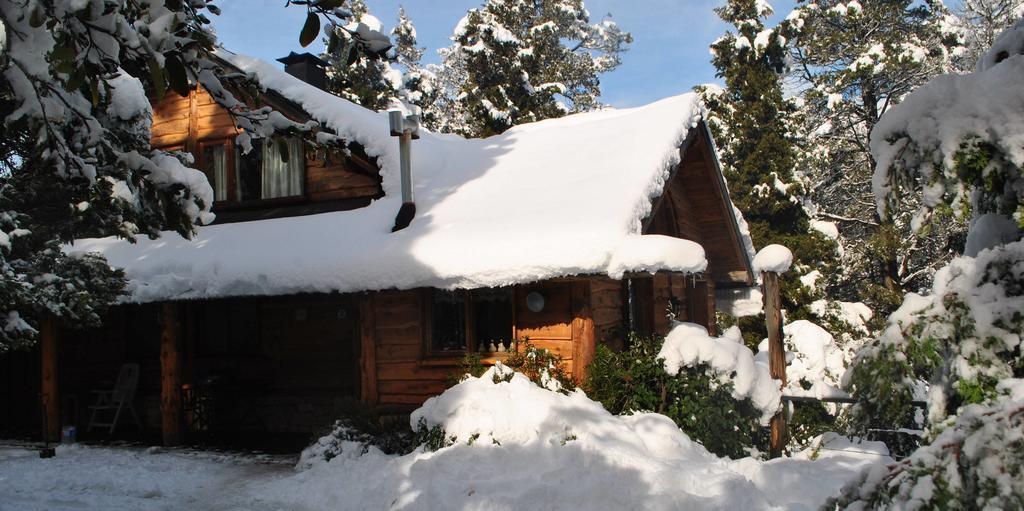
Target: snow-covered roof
[[554, 198]]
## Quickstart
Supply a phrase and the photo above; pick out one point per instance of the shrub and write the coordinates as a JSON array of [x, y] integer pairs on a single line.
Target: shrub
[[702, 406]]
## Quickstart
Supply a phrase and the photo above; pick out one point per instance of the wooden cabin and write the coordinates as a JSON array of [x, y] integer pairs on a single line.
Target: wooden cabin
[[284, 345]]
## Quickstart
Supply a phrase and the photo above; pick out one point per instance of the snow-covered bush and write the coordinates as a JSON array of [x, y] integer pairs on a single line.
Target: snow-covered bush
[[963, 339], [710, 387], [815, 364], [975, 462], [961, 138]]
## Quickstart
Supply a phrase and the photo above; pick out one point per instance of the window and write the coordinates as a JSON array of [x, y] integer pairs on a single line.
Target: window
[[262, 173], [215, 162], [479, 320]]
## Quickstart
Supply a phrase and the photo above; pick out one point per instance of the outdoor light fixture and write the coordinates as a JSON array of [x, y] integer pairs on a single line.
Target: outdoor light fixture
[[535, 301]]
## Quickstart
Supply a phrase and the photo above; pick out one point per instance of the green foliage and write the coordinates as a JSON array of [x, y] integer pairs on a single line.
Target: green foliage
[[975, 462], [527, 61], [540, 365], [810, 420], [360, 77], [944, 344], [750, 122], [703, 407], [470, 365], [433, 438]]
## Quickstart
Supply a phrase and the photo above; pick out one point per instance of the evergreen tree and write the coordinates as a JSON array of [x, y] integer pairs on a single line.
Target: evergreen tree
[[749, 120], [449, 113], [979, 22], [418, 84], [363, 78], [958, 137], [853, 61], [529, 60]]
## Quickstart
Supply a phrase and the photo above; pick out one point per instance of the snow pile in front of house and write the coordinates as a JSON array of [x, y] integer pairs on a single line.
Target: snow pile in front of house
[[689, 344], [519, 446], [553, 198]]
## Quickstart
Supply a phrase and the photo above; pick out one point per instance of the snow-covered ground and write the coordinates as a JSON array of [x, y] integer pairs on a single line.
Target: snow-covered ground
[[517, 446]]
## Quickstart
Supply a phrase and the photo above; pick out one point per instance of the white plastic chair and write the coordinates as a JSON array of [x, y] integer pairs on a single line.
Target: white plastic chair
[[117, 399]]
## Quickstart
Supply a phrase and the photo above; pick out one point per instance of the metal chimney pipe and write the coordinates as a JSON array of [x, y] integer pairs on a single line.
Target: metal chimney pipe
[[406, 128]]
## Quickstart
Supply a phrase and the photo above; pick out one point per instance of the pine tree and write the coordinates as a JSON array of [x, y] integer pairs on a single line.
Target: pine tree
[[362, 78], [749, 121], [418, 83], [853, 61], [449, 112], [529, 60], [979, 22]]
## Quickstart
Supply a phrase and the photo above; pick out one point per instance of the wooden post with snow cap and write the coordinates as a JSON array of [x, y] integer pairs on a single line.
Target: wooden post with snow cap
[[770, 262]]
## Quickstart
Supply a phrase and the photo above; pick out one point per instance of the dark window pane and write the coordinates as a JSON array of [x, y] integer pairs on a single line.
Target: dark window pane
[[448, 321], [248, 170], [492, 319], [216, 162]]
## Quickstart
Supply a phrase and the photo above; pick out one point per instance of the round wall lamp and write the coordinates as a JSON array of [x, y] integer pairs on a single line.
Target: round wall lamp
[[534, 301]]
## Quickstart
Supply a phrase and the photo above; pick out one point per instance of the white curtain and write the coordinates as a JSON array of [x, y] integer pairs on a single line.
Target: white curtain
[[281, 179], [217, 161]]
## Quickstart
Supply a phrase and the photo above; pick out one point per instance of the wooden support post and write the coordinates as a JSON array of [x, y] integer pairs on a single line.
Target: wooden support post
[[170, 374], [776, 355], [50, 390], [368, 350], [584, 337]]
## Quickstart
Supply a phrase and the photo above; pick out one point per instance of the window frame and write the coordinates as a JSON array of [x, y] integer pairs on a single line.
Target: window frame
[[229, 163], [233, 202], [469, 329]]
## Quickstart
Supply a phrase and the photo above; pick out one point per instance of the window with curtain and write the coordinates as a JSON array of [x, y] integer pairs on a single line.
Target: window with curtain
[[448, 321], [215, 160], [263, 173], [282, 178]]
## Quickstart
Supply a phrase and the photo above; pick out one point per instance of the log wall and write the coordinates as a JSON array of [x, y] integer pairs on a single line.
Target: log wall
[[187, 123], [406, 375]]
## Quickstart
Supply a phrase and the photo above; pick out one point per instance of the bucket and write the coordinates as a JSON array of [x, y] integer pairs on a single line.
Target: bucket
[[68, 434]]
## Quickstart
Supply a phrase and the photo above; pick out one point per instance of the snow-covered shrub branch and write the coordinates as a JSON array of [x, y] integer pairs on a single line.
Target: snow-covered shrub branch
[[712, 388], [959, 138], [975, 462]]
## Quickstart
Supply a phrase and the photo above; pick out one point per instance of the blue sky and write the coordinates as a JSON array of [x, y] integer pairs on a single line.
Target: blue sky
[[669, 54]]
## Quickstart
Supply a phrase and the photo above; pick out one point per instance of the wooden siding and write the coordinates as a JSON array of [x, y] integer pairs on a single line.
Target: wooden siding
[[606, 305], [406, 377], [187, 123], [402, 378], [693, 206]]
